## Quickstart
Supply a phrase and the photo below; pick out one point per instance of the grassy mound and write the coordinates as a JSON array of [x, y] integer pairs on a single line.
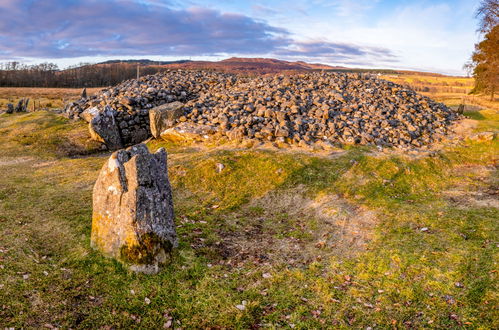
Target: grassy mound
[[274, 239]]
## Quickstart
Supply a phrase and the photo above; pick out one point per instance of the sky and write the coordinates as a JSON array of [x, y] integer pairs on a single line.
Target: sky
[[426, 35]]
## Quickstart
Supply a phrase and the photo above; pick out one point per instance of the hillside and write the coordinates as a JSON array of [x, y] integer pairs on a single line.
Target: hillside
[[250, 65]]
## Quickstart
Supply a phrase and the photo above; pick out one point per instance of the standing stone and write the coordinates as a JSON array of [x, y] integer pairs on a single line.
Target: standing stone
[[22, 105], [164, 117], [19, 106], [10, 108], [103, 128], [83, 93], [133, 215]]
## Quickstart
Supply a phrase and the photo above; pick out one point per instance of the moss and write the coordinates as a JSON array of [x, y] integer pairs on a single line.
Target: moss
[[146, 252]]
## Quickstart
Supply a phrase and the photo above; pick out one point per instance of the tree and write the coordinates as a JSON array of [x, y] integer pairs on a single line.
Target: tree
[[488, 12], [486, 63], [485, 58]]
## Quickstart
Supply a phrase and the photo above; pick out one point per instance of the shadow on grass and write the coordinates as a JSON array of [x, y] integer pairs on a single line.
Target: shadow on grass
[[474, 115]]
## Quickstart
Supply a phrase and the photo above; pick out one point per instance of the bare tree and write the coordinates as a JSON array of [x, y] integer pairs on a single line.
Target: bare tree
[[488, 13]]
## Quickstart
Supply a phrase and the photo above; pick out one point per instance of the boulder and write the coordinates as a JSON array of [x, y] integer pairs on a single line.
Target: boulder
[[10, 108], [164, 117], [132, 218], [103, 128], [89, 114]]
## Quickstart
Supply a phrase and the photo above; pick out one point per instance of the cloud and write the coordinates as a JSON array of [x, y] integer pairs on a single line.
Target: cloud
[[74, 28], [347, 8], [62, 29], [337, 52], [264, 10]]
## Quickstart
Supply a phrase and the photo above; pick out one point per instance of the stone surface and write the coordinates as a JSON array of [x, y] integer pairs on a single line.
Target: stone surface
[[164, 116], [482, 136], [89, 114], [187, 132], [132, 218], [103, 128], [22, 105], [10, 108]]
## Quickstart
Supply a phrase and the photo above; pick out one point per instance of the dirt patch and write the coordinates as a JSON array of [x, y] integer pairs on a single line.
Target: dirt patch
[[478, 188], [7, 161], [465, 127], [488, 198], [290, 228]]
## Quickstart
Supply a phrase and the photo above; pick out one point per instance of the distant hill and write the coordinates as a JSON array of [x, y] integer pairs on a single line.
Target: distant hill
[[143, 62], [252, 65]]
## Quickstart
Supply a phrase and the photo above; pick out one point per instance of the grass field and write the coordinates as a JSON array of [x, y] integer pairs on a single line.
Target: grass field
[[277, 239], [41, 98], [450, 90]]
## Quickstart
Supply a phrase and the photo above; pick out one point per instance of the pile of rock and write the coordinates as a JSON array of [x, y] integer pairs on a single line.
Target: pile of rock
[[300, 109]]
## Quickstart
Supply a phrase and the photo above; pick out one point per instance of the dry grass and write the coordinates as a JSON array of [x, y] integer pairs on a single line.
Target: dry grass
[[450, 90], [41, 98]]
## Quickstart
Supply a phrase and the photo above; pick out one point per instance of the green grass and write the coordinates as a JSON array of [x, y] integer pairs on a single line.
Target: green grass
[[44, 134], [444, 277]]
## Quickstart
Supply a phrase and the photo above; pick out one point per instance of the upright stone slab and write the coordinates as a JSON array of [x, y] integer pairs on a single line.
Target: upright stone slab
[[10, 108], [164, 116], [103, 128], [133, 215], [22, 105]]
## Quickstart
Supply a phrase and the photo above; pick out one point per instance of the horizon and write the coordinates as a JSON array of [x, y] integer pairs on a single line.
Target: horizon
[[426, 36]]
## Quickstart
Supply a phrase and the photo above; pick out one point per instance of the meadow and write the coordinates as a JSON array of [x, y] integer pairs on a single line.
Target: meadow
[[41, 98], [278, 238]]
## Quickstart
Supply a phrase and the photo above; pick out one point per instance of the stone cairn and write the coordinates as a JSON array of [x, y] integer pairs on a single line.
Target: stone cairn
[[314, 108], [132, 218]]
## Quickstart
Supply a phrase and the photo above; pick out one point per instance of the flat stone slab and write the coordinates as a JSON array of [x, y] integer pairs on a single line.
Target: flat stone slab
[[164, 117]]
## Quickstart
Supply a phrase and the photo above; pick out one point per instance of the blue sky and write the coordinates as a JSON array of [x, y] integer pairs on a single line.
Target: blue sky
[[436, 35]]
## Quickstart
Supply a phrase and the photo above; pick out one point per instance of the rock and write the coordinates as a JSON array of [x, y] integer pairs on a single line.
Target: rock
[[460, 109], [187, 132], [83, 93], [164, 116], [482, 136], [132, 218], [89, 114], [103, 128], [22, 105], [10, 108], [219, 167]]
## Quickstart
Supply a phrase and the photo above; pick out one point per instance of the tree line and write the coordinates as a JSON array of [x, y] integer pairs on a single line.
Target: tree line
[[16, 74]]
